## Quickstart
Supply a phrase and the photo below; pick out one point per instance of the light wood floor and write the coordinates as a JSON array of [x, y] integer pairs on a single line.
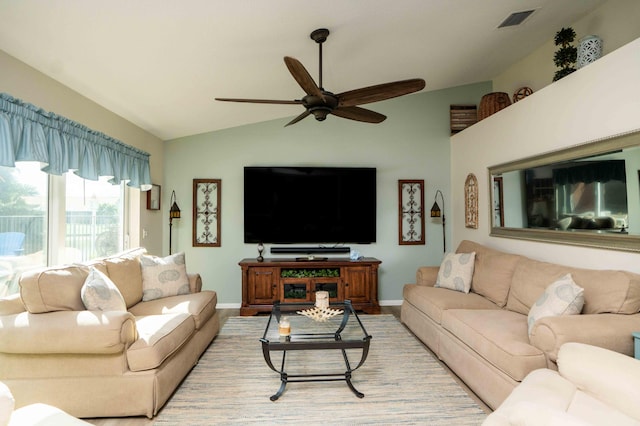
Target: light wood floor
[[226, 313]]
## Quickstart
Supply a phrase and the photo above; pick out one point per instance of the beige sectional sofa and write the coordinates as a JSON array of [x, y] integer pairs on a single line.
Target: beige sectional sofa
[[593, 386], [103, 363], [483, 335]]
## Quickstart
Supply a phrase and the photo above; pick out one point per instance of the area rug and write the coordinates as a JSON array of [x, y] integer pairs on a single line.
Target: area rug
[[401, 381]]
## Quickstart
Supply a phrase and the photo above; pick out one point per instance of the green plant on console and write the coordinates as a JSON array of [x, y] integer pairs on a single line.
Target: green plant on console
[[566, 56], [310, 273]]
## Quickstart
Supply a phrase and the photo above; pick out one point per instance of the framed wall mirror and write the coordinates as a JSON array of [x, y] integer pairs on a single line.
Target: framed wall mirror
[[587, 195]]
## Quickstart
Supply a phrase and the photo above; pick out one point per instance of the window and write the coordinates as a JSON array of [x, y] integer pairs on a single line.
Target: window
[[46, 220], [94, 218], [23, 222]]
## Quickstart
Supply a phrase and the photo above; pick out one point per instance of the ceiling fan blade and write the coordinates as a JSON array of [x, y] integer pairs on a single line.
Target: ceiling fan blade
[[260, 101], [302, 76], [380, 92], [298, 118], [359, 114]]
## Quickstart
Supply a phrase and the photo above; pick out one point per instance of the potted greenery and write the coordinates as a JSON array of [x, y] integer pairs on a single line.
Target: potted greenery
[[565, 57]]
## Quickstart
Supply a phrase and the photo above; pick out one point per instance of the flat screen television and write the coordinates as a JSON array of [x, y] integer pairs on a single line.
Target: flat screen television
[[315, 205]]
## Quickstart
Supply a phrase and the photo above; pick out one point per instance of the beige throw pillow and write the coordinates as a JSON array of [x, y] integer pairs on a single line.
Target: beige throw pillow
[[456, 271], [99, 293], [563, 297], [164, 277]]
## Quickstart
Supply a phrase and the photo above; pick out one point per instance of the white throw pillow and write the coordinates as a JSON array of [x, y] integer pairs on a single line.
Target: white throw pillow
[[456, 271], [164, 277], [99, 293], [563, 297]]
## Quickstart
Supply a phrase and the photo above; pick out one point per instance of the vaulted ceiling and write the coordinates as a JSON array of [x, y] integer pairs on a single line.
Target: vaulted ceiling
[[161, 63]]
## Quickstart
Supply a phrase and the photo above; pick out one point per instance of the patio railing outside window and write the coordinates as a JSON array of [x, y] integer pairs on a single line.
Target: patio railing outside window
[[93, 221]]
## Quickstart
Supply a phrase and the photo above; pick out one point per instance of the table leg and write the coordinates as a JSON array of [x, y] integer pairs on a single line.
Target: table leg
[[347, 378], [283, 384]]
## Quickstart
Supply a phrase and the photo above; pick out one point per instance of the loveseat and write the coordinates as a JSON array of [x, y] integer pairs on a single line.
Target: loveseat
[[593, 386], [33, 414], [486, 336], [71, 340]]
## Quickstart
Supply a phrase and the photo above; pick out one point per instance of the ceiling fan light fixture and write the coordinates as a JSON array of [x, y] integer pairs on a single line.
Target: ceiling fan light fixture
[[320, 113]]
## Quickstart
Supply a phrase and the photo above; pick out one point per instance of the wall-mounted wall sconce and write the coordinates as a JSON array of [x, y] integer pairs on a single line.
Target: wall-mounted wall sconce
[[174, 213], [436, 212]]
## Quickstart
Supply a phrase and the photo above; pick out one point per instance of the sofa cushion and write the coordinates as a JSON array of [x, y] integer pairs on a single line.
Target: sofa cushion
[[53, 289], [456, 272], [7, 404], [163, 277], [40, 414], [202, 306], [159, 337], [605, 291], [499, 336], [610, 377], [434, 301], [66, 332], [11, 304], [126, 274], [493, 271], [542, 388], [99, 293], [563, 297]]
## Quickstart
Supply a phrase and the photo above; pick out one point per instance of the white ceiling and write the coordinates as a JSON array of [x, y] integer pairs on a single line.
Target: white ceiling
[[160, 63]]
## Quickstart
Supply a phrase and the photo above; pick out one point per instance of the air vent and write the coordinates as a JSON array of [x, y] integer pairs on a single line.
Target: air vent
[[515, 18]]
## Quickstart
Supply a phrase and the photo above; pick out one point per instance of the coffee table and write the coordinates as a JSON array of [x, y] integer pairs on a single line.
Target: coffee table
[[342, 332]]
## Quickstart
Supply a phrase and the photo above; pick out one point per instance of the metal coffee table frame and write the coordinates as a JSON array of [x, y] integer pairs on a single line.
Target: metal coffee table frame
[[314, 341]]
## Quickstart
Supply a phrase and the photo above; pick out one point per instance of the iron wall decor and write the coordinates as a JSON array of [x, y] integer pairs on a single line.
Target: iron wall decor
[[471, 201], [411, 212], [206, 212], [153, 198]]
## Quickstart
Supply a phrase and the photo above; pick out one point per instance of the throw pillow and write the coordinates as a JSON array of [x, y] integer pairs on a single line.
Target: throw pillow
[[164, 277], [99, 293], [456, 271], [563, 297]]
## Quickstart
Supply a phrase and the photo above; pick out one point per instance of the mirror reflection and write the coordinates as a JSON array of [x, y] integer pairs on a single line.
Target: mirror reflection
[[592, 189]]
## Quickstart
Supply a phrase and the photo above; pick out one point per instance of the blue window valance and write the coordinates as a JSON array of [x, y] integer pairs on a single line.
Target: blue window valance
[[28, 133]]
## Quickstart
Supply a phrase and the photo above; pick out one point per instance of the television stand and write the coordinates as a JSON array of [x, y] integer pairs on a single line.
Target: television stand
[[293, 280]]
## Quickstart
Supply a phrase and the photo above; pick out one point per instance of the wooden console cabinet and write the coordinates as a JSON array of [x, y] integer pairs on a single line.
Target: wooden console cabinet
[[291, 280]]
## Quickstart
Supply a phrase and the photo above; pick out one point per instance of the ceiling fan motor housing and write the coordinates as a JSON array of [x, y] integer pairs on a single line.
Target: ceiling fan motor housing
[[319, 107]]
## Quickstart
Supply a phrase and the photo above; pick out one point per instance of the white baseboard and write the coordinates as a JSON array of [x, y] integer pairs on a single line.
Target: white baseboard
[[390, 302], [228, 305]]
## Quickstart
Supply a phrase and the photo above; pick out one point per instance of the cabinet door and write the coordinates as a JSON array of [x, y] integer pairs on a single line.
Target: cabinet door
[[294, 290], [263, 285], [357, 284], [332, 285]]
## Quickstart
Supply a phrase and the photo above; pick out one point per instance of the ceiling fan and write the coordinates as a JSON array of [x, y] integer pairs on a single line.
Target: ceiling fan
[[321, 102]]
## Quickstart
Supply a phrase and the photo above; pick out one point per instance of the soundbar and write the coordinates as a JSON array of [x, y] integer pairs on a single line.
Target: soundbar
[[309, 250]]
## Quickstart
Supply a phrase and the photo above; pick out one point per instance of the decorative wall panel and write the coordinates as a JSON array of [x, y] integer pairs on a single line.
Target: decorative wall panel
[[206, 212], [411, 212]]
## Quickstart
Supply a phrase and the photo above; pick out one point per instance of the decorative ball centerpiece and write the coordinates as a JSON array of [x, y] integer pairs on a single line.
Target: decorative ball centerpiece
[[521, 93]]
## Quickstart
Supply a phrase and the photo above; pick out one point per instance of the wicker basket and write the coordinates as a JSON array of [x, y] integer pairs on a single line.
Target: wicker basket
[[492, 103]]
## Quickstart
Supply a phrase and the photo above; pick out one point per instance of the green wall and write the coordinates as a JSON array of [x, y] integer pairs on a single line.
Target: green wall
[[413, 143]]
